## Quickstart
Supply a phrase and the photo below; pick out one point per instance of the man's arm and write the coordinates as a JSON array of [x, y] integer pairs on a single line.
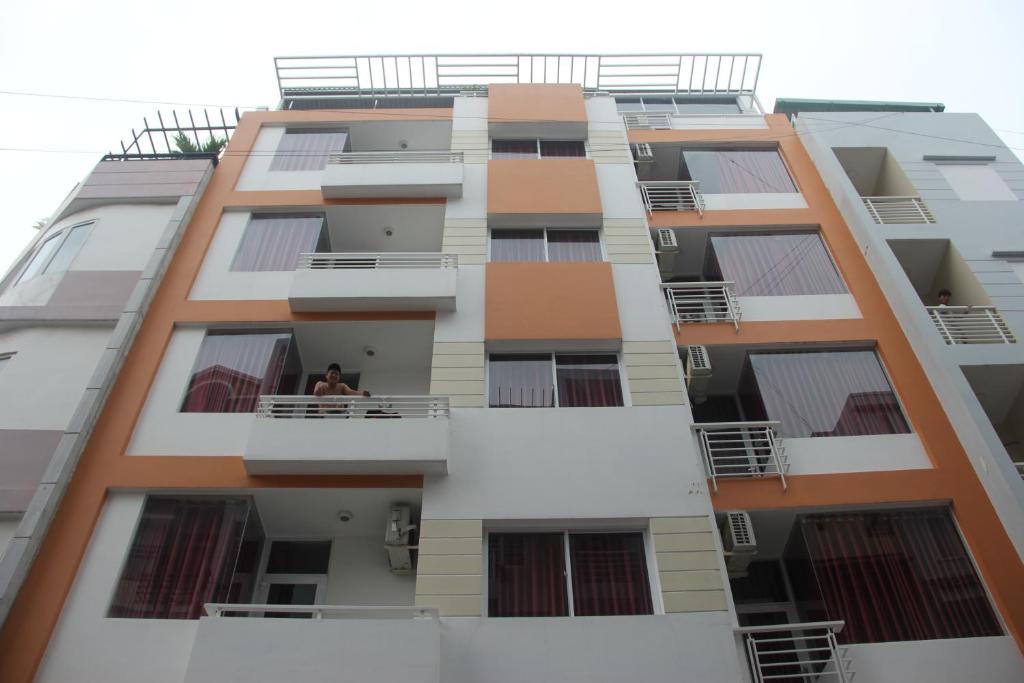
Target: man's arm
[[346, 390], [320, 389]]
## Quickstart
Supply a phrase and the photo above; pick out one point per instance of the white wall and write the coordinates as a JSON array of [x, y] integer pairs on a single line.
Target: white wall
[[216, 280], [802, 307], [466, 323], [8, 525], [873, 453], [473, 202], [620, 197], [257, 174], [643, 313], [992, 660], [86, 646], [554, 463], [123, 237], [754, 200], [358, 574], [42, 384], [738, 122]]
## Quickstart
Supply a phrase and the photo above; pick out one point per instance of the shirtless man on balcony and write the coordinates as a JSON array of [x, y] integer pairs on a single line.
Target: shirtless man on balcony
[[333, 386]]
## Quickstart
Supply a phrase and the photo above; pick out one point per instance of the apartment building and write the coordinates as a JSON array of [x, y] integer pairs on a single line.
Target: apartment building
[[625, 388]]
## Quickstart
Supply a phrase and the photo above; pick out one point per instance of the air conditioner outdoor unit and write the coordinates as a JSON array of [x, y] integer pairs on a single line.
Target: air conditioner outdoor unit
[[698, 372], [667, 249], [397, 539], [738, 541], [643, 154]]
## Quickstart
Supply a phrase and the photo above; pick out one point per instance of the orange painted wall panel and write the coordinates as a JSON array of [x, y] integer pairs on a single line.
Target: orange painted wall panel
[[537, 186], [540, 301], [527, 102]]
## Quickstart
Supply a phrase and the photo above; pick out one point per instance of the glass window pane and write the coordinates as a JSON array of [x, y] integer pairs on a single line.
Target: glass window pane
[[299, 557], [562, 148], [609, 575], [574, 245], [513, 149], [526, 575], [307, 150], [776, 265], [520, 382], [706, 106], [68, 249], [40, 259], [588, 381], [233, 370], [659, 104], [275, 242], [183, 555], [893, 576], [736, 171], [823, 393], [517, 245], [624, 104]]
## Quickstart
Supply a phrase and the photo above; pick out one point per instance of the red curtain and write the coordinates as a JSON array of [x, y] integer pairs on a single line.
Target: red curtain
[[825, 393], [901, 575], [513, 149], [609, 575], [562, 148], [307, 150], [183, 555], [588, 381], [233, 370], [776, 265], [272, 243], [574, 245], [526, 576]]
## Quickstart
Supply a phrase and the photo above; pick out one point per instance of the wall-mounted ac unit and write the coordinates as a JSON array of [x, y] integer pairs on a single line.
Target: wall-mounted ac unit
[[698, 372], [667, 249], [738, 542], [642, 153], [397, 539]]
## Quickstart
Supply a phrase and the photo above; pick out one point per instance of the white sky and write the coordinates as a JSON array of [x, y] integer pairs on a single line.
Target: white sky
[[967, 55]]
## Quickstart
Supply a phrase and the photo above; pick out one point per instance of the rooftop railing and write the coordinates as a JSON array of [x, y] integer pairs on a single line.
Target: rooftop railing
[[971, 325], [391, 259], [702, 302], [672, 195], [885, 210], [345, 407], [399, 157], [223, 609], [797, 652], [742, 449]]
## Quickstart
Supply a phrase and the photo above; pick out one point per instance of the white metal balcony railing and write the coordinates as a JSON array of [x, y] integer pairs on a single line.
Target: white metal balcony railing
[[344, 407], [222, 609], [399, 157], [742, 449], [655, 120], [971, 325], [798, 652], [898, 210], [702, 302], [672, 195], [392, 259]]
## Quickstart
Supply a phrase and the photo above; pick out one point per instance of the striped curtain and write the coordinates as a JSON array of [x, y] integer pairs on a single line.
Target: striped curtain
[[899, 575], [736, 171], [562, 148], [307, 150], [775, 265], [273, 243], [513, 149], [517, 245], [233, 370], [526, 576], [823, 393], [574, 245], [589, 381], [521, 381], [609, 575]]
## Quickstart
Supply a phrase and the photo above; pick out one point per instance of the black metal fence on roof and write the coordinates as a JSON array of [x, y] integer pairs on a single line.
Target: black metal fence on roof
[[187, 136]]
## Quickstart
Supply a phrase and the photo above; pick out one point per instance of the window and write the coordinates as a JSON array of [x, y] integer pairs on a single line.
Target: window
[[821, 393], [188, 551], [895, 575], [976, 182], [307, 150], [527, 577], [547, 381], [57, 252], [234, 369], [729, 171], [678, 105], [774, 265], [545, 244], [537, 149], [273, 243]]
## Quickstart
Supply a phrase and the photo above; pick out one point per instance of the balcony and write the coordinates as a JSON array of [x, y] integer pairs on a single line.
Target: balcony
[[657, 120], [701, 302], [742, 449], [801, 652], [672, 195], [999, 389], [971, 325], [900, 210], [393, 174], [389, 281], [349, 435]]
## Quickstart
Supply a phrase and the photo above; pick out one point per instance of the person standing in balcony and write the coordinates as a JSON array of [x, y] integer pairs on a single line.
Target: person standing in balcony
[[944, 296], [333, 386]]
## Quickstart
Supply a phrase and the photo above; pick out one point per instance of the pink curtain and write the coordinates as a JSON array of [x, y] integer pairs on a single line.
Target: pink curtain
[[307, 150], [901, 575], [273, 243], [609, 574], [722, 171], [522, 381], [233, 370], [562, 148], [823, 393], [517, 245], [574, 245], [526, 576], [588, 381], [776, 265], [183, 555]]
